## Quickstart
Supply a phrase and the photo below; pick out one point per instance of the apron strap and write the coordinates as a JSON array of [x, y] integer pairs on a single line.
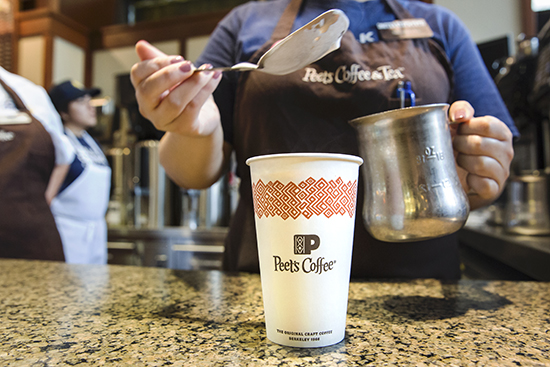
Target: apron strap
[[284, 26], [282, 29], [18, 102], [402, 13], [398, 9]]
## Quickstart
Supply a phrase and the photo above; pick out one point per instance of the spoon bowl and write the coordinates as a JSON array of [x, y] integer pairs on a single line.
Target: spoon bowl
[[302, 47]]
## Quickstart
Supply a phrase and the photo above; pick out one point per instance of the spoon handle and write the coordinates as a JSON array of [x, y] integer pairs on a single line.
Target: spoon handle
[[225, 68], [242, 66]]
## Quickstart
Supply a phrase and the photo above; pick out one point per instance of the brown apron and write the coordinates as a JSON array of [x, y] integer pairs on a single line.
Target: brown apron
[[281, 114], [27, 226]]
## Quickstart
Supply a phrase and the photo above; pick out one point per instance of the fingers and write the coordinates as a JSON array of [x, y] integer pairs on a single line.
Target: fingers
[[486, 176], [156, 73], [485, 151], [145, 69], [153, 79], [146, 51], [486, 188], [486, 126], [169, 94], [178, 111]]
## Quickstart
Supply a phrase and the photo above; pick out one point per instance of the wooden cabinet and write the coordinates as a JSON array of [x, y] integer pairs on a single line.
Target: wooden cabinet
[[55, 40], [50, 47]]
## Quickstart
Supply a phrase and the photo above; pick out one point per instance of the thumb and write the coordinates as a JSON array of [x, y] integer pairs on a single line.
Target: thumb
[[461, 111], [146, 51]]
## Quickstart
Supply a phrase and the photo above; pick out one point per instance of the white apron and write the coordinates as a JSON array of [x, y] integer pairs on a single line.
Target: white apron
[[80, 209]]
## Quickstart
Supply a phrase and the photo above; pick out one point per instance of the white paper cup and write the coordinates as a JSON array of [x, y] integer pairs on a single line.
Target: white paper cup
[[305, 205]]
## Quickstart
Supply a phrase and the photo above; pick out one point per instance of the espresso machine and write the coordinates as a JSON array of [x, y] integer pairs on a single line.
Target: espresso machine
[[154, 192], [540, 96], [143, 195], [524, 83], [152, 221]]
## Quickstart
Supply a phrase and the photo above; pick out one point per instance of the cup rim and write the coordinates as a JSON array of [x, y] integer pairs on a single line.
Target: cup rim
[[310, 155], [400, 111]]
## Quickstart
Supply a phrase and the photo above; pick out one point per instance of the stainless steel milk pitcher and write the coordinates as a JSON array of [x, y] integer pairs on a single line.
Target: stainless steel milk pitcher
[[412, 189]]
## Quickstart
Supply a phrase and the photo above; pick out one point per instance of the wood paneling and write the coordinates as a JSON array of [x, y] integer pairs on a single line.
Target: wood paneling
[[50, 24], [155, 31], [528, 19], [42, 21], [93, 14]]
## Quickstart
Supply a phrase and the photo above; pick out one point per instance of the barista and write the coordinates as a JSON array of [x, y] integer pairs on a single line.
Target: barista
[[34, 159], [79, 208], [255, 113]]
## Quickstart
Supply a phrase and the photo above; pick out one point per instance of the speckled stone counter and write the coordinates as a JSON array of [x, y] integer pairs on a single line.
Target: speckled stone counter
[[53, 314]]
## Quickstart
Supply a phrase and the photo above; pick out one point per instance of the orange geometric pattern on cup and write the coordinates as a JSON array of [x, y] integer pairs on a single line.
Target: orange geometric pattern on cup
[[307, 198]]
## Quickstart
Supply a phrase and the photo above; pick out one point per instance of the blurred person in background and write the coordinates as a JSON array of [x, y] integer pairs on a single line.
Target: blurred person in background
[[34, 159], [80, 206]]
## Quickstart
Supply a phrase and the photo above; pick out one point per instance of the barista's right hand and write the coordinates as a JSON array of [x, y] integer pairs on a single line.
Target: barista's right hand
[[171, 96]]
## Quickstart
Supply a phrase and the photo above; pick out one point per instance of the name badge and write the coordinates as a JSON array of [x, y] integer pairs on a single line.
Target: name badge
[[15, 118], [404, 29]]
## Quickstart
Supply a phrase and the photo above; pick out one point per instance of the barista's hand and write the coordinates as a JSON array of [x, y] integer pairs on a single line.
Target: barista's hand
[[484, 151], [171, 96]]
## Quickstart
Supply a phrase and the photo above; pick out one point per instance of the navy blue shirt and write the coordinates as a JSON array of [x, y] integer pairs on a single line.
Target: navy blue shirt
[[76, 168], [247, 27]]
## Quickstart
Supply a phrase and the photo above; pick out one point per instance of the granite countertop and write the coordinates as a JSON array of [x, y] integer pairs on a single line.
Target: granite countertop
[[55, 314]]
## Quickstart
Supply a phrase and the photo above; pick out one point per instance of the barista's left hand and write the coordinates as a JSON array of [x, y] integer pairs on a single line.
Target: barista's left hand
[[483, 151]]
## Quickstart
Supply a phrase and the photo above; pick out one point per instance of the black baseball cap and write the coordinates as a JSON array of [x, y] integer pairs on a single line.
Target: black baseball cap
[[64, 93]]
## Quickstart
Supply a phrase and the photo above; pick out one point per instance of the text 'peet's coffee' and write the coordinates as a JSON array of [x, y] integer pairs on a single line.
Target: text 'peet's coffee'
[[318, 266]]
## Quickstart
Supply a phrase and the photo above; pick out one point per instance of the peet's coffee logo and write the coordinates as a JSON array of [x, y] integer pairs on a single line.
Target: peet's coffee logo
[[303, 245], [353, 74], [308, 265]]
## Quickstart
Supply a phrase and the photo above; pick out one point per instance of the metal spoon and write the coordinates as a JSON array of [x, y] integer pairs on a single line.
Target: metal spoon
[[302, 47]]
